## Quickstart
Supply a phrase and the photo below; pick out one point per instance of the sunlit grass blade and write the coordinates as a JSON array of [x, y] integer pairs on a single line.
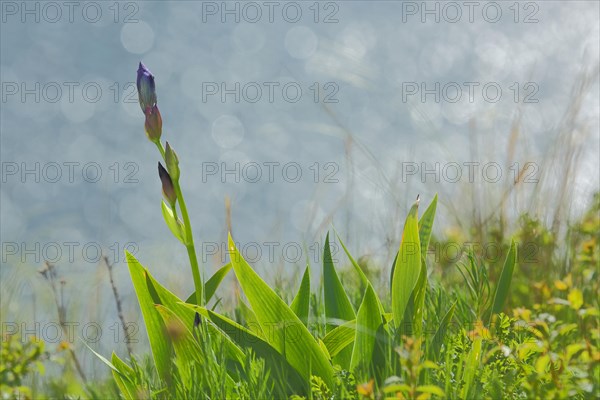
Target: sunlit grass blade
[[503, 287], [212, 284], [287, 334], [125, 378], [368, 321], [416, 304], [407, 266], [440, 334], [426, 226], [159, 343], [248, 339], [471, 366], [363, 278], [186, 348], [340, 337], [425, 230], [337, 304], [300, 304]]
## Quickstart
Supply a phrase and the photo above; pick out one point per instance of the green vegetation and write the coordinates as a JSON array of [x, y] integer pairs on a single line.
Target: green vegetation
[[522, 324]]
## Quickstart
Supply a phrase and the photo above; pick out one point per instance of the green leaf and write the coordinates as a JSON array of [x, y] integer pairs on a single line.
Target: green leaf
[[505, 278], [175, 226], [425, 229], [337, 304], [363, 278], [416, 303], [340, 337], [286, 333], [438, 338], [159, 343], [122, 373], [186, 348], [124, 378], [431, 389], [426, 226], [300, 304], [244, 337], [407, 266], [471, 367], [212, 284], [368, 322]]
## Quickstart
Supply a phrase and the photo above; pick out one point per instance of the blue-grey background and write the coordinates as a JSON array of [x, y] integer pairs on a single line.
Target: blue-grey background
[[364, 51]]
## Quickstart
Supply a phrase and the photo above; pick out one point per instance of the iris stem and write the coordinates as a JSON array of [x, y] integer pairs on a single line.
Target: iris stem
[[189, 238]]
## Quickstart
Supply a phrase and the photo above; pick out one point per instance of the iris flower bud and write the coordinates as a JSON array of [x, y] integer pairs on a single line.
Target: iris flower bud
[[167, 185], [153, 123], [172, 162], [146, 88]]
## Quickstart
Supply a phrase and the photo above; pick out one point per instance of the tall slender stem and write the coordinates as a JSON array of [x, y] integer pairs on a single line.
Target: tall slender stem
[[189, 238]]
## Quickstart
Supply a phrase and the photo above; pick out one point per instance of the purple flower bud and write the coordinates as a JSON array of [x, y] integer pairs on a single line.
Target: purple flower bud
[[146, 88], [167, 185], [153, 123]]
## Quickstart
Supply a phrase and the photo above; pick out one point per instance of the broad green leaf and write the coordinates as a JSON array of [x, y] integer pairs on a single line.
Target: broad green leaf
[[159, 343], [338, 308], [186, 348], [340, 337], [438, 338], [160, 295], [407, 267], [246, 338], [471, 366], [300, 304], [505, 278], [286, 333], [337, 304], [368, 321], [416, 304], [174, 225], [363, 278], [212, 284], [250, 318], [425, 229], [426, 226], [124, 378]]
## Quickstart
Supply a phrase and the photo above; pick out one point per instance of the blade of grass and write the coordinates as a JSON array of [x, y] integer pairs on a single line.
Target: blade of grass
[[337, 304], [159, 343], [407, 267], [300, 304], [368, 322], [503, 287], [287, 334], [212, 284]]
